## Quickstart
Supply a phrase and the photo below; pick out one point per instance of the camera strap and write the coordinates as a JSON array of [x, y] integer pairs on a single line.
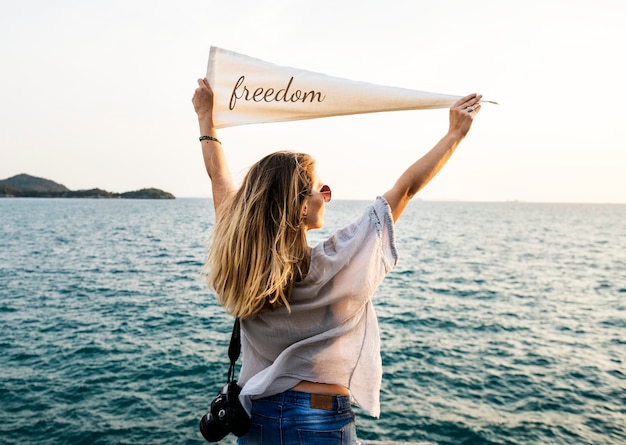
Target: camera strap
[[234, 349]]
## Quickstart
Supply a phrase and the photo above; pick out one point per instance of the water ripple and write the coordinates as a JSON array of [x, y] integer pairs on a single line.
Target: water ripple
[[502, 323]]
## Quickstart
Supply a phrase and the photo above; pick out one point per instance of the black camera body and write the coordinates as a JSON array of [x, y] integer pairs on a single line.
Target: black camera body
[[225, 416]]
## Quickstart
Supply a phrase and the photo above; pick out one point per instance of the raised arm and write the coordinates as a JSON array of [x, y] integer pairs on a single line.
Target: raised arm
[[214, 158], [426, 168]]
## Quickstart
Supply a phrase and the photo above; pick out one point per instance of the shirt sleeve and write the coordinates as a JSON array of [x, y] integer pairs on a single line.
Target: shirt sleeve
[[383, 220]]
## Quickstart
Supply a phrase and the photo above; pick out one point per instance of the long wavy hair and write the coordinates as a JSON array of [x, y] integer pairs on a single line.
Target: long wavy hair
[[259, 247]]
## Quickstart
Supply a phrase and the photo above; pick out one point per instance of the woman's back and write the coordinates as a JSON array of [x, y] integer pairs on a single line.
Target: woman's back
[[330, 332]]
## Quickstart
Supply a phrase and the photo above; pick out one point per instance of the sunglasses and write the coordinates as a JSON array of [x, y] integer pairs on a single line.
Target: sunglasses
[[326, 193]]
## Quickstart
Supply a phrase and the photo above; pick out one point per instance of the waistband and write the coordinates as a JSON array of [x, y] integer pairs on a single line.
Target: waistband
[[326, 402]]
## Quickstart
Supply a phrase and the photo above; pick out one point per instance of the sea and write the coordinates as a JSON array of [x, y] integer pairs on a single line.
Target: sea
[[502, 323]]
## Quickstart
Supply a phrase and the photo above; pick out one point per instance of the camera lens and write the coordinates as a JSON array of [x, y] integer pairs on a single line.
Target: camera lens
[[212, 429], [225, 416]]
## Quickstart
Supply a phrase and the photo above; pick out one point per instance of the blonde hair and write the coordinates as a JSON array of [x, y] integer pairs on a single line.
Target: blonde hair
[[259, 247]]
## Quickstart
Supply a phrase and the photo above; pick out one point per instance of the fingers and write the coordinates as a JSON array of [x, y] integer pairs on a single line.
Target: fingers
[[465, 100], [468, 100], [202, 99], [476, 108], [204, 83], [203, 90], [469, 103]]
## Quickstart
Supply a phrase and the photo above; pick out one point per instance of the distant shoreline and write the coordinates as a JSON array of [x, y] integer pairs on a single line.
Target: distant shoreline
[[149, 193], [27, 186]]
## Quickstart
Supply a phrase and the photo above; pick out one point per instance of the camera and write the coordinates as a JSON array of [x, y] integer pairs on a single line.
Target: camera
[[226, 415]]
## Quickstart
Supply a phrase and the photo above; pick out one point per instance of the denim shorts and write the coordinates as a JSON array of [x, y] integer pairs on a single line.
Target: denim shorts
[[300, 418]]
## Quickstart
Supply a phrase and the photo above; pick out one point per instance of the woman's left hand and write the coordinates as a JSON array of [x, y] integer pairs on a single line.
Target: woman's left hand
[[462, 114]]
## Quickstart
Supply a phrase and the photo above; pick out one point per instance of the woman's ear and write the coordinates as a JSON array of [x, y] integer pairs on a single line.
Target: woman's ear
[[304, 211]]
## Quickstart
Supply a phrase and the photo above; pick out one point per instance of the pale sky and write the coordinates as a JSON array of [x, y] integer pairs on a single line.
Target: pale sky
[[97, 93]]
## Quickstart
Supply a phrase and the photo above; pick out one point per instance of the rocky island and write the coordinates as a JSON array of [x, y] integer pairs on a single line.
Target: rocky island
[[27, 186]]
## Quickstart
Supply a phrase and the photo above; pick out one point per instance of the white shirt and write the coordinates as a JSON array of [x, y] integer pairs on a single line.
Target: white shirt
[[331, 334]]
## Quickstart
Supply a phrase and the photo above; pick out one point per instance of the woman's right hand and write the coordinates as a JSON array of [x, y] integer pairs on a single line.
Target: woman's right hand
[[203, 100]]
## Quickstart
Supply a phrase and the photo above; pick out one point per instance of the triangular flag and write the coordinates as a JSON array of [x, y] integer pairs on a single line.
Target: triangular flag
[[249, 91]]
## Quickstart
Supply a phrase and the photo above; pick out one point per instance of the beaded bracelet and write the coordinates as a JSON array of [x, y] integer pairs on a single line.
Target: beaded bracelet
[[209, 138]]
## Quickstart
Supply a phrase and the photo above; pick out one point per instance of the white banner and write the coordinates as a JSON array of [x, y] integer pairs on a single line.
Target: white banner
[[249, 91]]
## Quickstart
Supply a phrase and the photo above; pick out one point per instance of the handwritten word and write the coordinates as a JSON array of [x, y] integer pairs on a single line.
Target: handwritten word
[[241, 91]]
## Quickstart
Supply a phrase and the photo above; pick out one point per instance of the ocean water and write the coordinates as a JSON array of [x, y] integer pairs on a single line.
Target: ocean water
[[503, 323]]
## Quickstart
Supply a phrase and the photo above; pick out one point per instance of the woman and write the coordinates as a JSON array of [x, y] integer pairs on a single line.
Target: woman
[[309, 333]]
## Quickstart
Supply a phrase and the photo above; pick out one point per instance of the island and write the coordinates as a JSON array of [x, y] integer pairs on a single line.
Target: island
[[27, 186]]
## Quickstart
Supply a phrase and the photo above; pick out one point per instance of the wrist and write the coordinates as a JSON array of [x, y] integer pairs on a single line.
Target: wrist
[[205, 120], [455, 135], [207, 129]]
